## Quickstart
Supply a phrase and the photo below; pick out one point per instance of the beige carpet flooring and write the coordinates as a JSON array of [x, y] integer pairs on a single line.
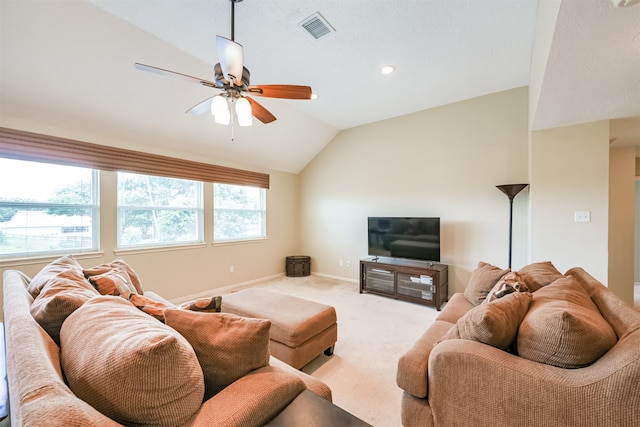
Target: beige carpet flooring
[[373, 332]]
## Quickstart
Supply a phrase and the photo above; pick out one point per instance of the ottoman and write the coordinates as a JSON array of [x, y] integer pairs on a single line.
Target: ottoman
[[300, 329]]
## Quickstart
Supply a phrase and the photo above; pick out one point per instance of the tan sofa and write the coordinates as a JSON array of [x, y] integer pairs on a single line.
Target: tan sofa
[[461, 372], [39, 370]]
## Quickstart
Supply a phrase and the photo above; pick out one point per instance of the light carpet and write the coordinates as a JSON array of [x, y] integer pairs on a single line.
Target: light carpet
[[373, 332]]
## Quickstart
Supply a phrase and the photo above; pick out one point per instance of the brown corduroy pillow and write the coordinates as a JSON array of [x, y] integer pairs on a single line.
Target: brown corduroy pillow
[[129, 366], [495, 323], [482, 280], [59, 288], [66, 267], [564, 327], [228, 346], [539, 274]]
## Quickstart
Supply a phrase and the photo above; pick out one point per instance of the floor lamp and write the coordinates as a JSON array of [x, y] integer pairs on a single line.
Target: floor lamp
[[511, 190]]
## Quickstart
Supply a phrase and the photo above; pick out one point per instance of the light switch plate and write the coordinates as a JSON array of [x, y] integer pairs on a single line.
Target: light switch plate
[[582, 216]]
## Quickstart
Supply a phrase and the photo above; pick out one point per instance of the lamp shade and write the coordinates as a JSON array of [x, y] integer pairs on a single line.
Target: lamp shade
[[243, 112], [220, 110], [511, 190]]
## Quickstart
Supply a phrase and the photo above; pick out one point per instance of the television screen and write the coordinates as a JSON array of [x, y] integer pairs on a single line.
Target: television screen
[[412, 238]]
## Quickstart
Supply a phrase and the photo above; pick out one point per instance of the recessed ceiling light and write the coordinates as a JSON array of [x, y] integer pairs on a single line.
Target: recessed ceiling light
[[314, 96], [387, 69]]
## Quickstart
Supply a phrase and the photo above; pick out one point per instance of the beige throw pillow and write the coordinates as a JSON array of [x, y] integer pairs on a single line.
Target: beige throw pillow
[[495, 323], [482, 280], [539, 274], [65, 267], [127, 365], [228, 346], [59, 288], [564, 327]]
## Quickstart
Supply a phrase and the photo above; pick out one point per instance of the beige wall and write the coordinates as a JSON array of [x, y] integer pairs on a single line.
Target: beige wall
[[621, 221], [637, 236], [188, 271], [441, 162], [570, 172]]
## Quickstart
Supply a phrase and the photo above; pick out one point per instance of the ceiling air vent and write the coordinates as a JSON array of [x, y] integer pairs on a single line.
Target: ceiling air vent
[[317, 26]]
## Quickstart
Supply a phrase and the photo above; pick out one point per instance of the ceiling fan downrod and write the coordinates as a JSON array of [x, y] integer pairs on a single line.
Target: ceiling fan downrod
[[233, 17]]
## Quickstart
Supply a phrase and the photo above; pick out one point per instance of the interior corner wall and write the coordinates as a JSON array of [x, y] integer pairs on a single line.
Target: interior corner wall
[[569, 172], [622, 221], [545, 28], [443, 162]]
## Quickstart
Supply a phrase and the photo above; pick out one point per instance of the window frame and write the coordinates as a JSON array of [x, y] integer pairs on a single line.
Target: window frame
[[160, 245], [93, 207], [262, 212]]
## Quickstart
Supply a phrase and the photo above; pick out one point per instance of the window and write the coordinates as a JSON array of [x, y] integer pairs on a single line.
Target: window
[[47, 209], [158, 211], [239, 213]]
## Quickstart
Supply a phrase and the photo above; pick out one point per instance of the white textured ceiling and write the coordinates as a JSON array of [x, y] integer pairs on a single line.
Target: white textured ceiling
[[69, 64]]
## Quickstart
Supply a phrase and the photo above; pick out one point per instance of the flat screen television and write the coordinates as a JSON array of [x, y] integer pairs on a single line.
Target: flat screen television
[[410, 237]]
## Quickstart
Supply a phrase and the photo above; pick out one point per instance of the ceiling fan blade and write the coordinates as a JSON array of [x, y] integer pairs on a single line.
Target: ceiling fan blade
[[163, 72], [202, 107], [259, 112], [231, 59], [281, 91]]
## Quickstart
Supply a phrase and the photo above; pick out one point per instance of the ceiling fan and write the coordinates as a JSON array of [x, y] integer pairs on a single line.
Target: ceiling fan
[[232, 80]]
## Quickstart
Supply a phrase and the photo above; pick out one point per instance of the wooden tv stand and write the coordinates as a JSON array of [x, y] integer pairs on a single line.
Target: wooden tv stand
[[416, 281]]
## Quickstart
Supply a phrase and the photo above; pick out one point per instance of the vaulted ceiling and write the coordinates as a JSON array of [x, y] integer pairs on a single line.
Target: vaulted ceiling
[[69, 65]]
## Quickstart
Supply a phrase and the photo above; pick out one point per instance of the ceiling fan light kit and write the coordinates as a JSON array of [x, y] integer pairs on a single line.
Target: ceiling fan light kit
[[232, 80]]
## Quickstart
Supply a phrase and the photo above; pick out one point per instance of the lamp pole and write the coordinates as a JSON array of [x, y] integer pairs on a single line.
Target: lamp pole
[[511, 190]]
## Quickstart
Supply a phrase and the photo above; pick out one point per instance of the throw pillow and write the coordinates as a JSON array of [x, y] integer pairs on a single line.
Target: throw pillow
[[495, 323], [130, 367], [539, 274], [208, 304], [147, 305], [509, 283], [60, 289], [117, 263], [228, 346], [482, 280], [564, 327], [66, 267], [116, 282]]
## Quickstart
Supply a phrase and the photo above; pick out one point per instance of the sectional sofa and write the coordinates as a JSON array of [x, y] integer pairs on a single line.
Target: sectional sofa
[[553, 350], [88, 347]]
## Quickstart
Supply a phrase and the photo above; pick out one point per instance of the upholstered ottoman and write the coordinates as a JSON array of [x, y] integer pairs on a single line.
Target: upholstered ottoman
[[300, 329]]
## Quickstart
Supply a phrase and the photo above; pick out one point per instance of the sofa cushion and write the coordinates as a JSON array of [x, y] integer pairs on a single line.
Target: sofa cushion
[[120, 264], [66, 267], [563, 327], [494, 323], [509, 283], [61, 289], [129, 366], [539, 274], [228, 346], [482, 280], [116, 282]]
